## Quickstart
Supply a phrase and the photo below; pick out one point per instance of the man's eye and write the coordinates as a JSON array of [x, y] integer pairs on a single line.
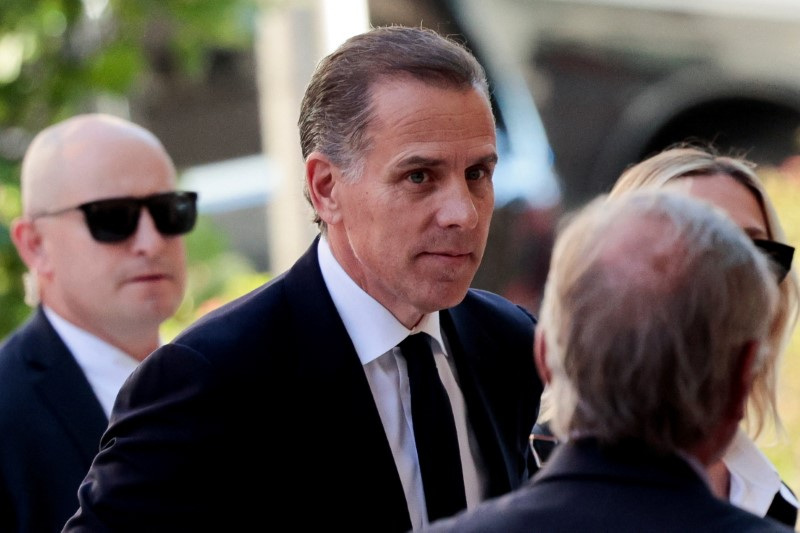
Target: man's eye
[[417, 177], [475, 174]]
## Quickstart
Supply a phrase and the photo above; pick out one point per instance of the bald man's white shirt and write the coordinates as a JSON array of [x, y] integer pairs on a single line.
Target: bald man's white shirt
[[106, 367], [375, 333]]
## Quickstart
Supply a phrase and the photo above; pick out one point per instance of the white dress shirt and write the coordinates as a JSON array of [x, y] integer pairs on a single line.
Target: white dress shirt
[[754, 480], [105, 366], [375, 333]]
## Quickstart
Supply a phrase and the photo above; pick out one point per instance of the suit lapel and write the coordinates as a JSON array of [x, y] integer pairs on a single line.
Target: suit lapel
[[61, 384], [467, 344], [338, 393]]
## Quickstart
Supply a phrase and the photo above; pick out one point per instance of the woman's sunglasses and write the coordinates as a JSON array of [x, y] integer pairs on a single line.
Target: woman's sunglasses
[[780, 254], [116, 219]]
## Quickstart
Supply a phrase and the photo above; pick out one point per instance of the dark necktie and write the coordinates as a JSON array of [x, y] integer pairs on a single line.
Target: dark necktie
[[434, 431]]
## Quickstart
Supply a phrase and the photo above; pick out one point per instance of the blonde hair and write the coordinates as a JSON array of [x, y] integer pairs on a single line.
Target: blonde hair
[[691, 161]]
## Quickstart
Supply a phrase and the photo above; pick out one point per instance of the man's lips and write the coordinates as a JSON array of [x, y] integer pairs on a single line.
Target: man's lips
[[143, 278], [447, 256], [450, 253]]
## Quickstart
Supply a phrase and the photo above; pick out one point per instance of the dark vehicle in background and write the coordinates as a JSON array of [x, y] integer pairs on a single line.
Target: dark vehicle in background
[[617, 80], [614, 81]]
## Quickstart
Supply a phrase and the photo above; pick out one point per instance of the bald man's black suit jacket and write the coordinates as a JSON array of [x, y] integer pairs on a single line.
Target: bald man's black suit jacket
[[261, 414], [50, 428]]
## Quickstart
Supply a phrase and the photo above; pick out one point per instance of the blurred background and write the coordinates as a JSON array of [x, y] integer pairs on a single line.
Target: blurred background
[[581, 90]]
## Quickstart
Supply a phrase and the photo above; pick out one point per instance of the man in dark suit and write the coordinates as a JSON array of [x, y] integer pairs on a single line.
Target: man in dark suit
[[294, 404], [104, 273], [655, 318]]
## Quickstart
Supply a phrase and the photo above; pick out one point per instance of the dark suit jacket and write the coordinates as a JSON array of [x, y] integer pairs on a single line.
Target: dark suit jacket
[[261, 414], [585, 488], [50, 428], [781, 509]]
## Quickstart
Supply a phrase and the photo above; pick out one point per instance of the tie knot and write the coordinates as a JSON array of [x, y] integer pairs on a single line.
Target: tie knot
[[416, 346]]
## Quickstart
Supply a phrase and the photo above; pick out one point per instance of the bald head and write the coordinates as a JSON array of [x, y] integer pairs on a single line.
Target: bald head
[[86, 148], [119, 290]]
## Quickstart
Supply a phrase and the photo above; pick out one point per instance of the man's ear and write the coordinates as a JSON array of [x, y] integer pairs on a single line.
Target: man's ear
[[321, 181], [28, 241], [540, 356]]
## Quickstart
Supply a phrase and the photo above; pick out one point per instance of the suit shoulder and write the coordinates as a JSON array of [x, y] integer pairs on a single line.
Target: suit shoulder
[[489, 320], [495, 308], [12, 376], [251, 315], [12, 351]]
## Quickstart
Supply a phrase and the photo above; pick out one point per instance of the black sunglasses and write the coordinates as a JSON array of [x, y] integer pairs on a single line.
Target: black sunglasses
[[116, 219], [780, 254]]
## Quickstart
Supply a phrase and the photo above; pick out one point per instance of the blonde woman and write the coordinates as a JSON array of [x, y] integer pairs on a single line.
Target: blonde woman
[[744, 475]]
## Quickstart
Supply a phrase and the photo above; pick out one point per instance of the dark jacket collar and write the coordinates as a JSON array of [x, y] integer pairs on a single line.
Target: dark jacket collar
[[60, 382]]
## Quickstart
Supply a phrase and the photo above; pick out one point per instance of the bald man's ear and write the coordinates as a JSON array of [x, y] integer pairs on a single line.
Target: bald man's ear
[[31, 246], [28, 242], [540, 356], [321, 179]]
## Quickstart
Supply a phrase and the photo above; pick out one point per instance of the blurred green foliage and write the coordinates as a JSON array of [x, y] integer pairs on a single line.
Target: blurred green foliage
[[13, 307], [216, 275], [60, 57]]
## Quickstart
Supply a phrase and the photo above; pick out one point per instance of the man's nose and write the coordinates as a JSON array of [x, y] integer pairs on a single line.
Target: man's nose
[[147, 239], [458, 205]]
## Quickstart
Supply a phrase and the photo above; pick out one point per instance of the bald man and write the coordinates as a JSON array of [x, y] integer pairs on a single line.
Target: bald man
[[100, 233]]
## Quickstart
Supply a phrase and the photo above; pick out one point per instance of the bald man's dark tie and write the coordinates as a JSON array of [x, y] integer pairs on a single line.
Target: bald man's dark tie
[[434, 430]]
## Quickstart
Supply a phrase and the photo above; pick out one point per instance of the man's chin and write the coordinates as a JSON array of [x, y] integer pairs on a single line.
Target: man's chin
[[447, 294]]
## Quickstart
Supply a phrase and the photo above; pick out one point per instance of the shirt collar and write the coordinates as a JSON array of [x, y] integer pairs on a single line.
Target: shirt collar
[[105, 365], [83, 345], [754, 480], [371, 327]]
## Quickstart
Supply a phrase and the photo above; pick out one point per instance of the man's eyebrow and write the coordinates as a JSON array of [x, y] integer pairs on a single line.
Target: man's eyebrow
[[420, 161], [490, 159]]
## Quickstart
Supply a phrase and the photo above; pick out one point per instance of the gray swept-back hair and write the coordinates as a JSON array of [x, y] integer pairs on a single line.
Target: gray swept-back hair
[[694, 161], [646, 312], [337, 106]]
